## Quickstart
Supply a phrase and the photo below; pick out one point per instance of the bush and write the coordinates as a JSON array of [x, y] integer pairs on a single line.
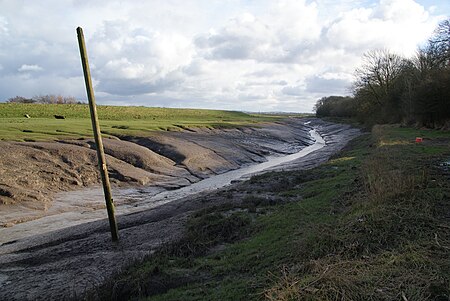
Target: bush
[[336, 106]]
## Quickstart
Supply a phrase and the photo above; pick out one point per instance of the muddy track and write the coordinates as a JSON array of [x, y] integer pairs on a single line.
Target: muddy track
[[68, 263]]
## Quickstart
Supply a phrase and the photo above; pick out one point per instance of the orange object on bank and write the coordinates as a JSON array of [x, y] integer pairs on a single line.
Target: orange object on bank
[[419, 139]]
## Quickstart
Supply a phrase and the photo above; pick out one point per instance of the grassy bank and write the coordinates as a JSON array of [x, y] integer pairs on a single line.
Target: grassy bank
[[371, 224], [137, 121]]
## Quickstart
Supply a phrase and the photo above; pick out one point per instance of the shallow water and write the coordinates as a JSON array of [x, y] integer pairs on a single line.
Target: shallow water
[[77, 207]]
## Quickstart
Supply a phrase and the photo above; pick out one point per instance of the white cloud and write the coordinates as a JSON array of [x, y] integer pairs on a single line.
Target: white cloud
[[132, 60], [327, 85], [294, 90], [246, 55], [400, 11], [398, 25], [275, 37], [43, 85], [244, 37], [296, 20], [30, 68], [3, 26]]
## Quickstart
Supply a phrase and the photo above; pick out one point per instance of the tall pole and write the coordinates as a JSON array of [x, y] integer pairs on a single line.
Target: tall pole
[[97, 137]]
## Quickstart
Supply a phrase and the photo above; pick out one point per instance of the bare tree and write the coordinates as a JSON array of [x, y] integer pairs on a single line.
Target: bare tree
[[378, 73], [20, 99], [439, 43], [55, 99]]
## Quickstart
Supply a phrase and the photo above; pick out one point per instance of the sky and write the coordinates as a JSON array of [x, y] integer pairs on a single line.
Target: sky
[[248, 55]]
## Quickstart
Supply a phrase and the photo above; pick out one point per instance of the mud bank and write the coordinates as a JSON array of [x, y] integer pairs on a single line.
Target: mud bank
[[69, 263], [32, 173]]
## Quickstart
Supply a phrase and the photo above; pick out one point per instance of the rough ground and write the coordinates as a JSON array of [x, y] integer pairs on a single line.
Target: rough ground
[[67, 264], [32, 172]]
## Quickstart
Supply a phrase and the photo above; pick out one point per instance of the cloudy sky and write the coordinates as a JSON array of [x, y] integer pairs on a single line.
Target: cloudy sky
[[252, 55]]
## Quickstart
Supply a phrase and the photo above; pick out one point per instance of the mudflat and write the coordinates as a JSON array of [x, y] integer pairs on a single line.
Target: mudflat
[[33, 172], [72, 262]]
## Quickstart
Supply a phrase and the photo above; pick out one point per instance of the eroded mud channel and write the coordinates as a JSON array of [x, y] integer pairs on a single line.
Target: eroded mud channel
[[158, 182], [51, 185], [80, 206]]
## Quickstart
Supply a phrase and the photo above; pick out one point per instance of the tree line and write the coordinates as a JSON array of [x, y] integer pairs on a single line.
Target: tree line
[[391, 89], [45, 99]]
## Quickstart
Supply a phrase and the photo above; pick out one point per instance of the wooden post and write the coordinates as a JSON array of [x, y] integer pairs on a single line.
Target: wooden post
[[97, 136]]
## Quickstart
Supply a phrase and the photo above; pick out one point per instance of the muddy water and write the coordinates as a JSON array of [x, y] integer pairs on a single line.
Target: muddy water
[[77, 207]]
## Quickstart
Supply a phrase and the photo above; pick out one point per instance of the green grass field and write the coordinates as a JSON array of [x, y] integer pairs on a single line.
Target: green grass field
[[114, 120], [371, 224]]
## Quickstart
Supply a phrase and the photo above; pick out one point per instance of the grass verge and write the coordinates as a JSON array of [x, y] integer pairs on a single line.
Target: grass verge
[[371, 224]]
